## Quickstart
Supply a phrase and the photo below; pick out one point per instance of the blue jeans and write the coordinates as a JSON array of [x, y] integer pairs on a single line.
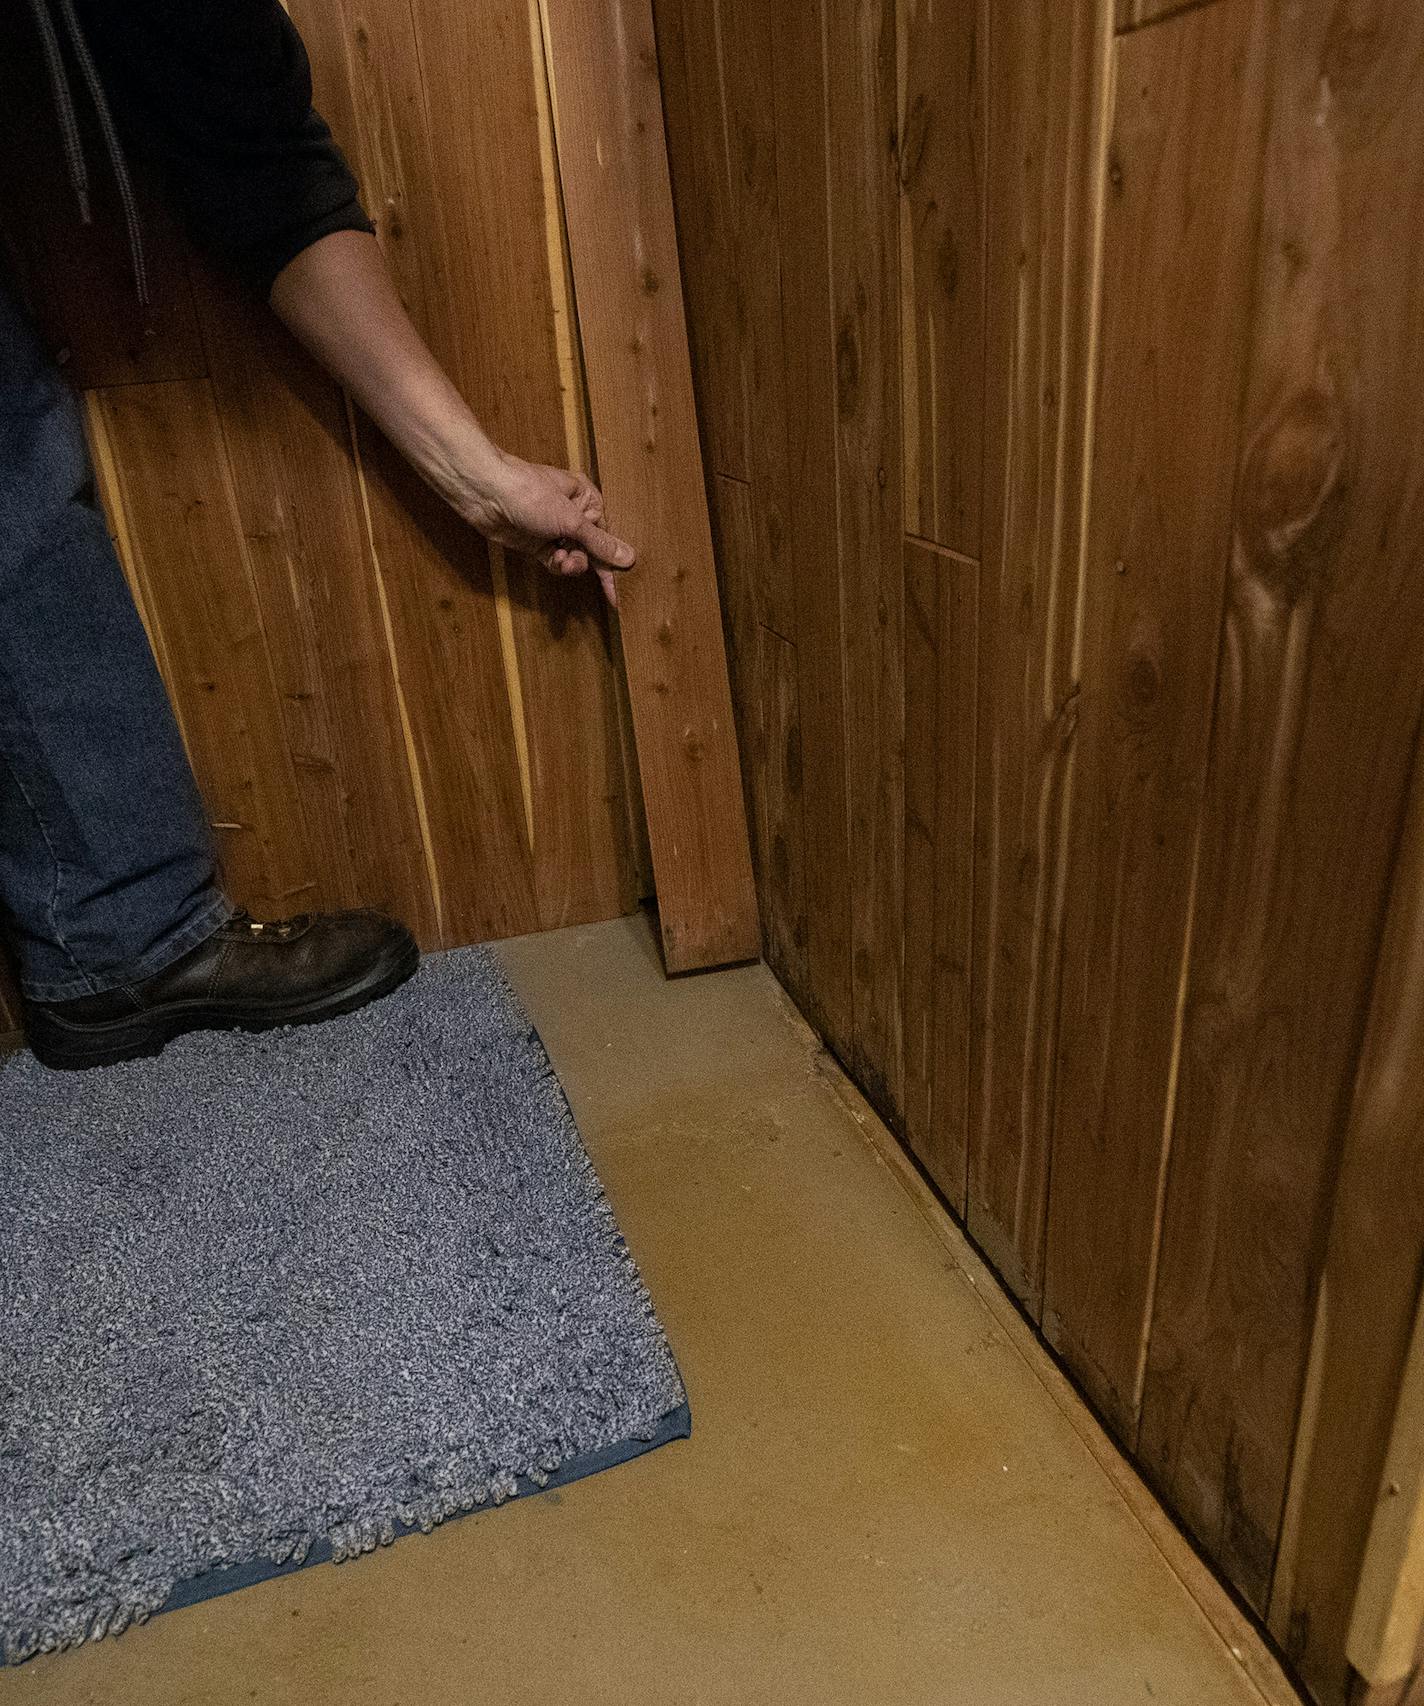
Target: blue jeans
[[106, 862]]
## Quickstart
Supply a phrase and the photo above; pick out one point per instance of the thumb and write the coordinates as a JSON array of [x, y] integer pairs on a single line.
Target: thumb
[[607, 547]]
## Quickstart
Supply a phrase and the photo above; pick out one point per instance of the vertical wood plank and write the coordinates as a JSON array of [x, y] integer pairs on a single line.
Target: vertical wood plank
[[697, 97], [1184, 173], [1049, 98], [763, 674], [719, 98], [1321, 694], [284, 429], [453, 235], [608, 121], [1387, 1623], [191, 564], [798, 59], [1366, 1301], [942, 48], [781, 812], [747, 40], [863, 202], [940, 603]]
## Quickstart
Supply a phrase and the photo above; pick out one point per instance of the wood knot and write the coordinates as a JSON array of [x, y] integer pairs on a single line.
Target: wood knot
[[692, 745], [649, 282], [1291, 512], [664, 632]]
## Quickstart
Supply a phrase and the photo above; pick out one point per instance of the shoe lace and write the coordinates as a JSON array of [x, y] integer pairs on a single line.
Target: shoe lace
[[243, 920]]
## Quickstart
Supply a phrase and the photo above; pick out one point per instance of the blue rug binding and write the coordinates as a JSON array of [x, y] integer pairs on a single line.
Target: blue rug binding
[[677, 1424]]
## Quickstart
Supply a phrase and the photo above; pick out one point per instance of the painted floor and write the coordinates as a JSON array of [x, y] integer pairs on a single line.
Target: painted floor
[[883, 1502]]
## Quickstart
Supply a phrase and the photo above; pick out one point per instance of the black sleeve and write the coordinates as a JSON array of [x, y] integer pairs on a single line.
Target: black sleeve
[[219, 92]]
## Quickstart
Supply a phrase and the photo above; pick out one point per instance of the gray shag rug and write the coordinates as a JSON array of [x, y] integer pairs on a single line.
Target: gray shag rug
[[273, 1297]]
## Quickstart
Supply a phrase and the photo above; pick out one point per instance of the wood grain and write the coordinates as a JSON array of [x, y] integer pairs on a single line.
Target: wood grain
[[190, 561], [285, 437], [1132, 14], [1048, 105], [942, 50], [863, 213], [1388, 1617], [720, 105], [608, 123], [940, 604], [1176, 299], [1366, 1301], [552, 725], [693, 45], [1321, 695], [764, 685], [780, 811], [1157, 392], [812, 560]]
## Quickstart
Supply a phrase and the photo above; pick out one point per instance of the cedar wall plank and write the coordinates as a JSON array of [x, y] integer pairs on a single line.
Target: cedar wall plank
[[164, 453], [719, 99], [781, 811], [692, 55], [1048, 94], [435, 572], [863, 211], [747, 37], [763, 675], [1366, 1300], [285, 431], [618, 204], [943, 142], [1320, 697], [940, 600], [518, 749], [1184, 173], [812, 558]]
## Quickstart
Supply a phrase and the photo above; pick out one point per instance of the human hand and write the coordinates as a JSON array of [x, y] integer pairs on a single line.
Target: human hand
[[554, 514]]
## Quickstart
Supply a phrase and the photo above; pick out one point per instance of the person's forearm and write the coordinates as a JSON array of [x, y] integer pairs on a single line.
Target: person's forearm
[[338, 300]]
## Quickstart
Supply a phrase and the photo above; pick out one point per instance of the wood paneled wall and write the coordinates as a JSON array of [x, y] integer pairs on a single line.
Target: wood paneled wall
[[380, 709], [1059, 379]]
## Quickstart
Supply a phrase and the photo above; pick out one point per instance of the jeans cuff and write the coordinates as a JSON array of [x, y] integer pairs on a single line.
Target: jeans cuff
[[209, 918]]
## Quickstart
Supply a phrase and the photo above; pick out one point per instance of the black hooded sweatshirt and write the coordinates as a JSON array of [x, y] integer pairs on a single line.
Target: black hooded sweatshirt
[[218, 93]]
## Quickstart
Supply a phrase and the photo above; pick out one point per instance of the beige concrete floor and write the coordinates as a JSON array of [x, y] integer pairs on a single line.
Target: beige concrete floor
[[883, 1502]]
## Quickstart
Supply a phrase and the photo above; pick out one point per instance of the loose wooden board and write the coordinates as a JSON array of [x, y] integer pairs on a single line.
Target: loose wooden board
[[608, 127]]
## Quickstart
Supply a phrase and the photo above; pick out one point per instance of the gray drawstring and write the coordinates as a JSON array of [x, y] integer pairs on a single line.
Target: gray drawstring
[[64, 107], [69, 126]]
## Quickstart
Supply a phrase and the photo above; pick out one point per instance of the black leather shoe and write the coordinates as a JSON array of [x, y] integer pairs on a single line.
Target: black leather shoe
[[246, 976]]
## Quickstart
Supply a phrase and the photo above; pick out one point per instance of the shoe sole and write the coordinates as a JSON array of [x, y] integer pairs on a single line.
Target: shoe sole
[[69, 1048]]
